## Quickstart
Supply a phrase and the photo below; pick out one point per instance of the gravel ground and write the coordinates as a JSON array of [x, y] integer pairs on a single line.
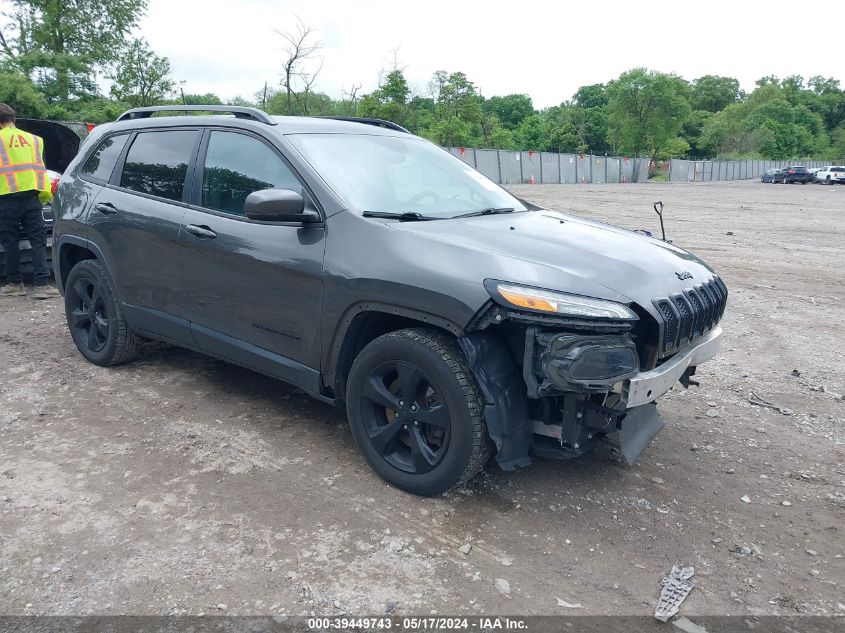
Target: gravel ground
[[179, 484]]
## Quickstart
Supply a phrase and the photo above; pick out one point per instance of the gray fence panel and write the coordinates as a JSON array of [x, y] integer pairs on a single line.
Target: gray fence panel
[[531, 166], [627, 170], [614, 170], [551, 169], [583, 169], [569, 169], [641, 170], [487, 162], [511, 167], [678, 170], [465, 154], [599, 164]]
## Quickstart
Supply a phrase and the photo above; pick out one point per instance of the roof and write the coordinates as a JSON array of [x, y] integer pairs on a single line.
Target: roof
[[144, 117]]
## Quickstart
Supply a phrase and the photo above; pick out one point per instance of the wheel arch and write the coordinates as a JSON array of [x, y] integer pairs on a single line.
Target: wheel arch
[[72, 250], [364, 322]]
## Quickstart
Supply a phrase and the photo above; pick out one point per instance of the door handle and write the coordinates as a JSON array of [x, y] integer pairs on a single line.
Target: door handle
[[106, 208], [201, 231]]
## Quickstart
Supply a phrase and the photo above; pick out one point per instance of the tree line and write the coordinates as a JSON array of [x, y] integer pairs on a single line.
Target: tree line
[[51, 61]]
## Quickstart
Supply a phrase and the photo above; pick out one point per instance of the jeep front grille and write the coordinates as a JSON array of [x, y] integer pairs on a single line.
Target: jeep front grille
[[689, 314]]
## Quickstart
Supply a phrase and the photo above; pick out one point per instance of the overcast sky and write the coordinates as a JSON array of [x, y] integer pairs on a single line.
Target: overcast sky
[[542, 48]]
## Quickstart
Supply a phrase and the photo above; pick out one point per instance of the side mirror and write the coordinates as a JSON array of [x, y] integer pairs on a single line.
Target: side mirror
[[278, 205]]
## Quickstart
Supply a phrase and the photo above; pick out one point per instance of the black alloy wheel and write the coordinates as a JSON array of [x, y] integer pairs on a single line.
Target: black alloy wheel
[[405, 418], [416, 412], [88, 321], [95, 317]]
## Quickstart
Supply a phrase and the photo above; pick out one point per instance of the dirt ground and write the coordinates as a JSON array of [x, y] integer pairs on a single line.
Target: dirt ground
[[178, 484]]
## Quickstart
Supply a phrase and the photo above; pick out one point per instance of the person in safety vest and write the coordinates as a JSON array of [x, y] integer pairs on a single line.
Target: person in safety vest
[[24, 188]]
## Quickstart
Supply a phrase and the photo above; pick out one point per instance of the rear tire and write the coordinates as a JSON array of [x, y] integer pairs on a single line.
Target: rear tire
[[416, 412], [94, 316]]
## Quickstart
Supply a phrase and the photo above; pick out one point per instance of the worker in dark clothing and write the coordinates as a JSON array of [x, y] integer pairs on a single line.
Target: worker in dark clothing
[[24, 188]]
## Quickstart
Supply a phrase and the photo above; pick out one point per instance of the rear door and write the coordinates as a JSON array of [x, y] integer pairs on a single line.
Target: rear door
[[136, 221], [254, 288]]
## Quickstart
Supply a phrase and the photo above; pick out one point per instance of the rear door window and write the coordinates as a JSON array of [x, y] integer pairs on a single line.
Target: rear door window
[[100, 164], [237, 165], [157, 163]]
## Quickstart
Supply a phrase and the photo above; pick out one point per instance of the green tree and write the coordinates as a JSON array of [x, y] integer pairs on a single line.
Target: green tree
[[712, 93], [693, 131], [457, 110], [592, 96], [209, 98], [494, 135], [510, 110], [63, 45], [18, 91], [389, 101], [532, 134], [141, 78], [646, 110]]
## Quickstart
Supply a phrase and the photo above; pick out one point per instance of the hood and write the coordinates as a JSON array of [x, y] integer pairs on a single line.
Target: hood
[[61, 143], [568, 249]]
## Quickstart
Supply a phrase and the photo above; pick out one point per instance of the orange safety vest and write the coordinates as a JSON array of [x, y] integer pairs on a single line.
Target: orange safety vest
[[22, 164]]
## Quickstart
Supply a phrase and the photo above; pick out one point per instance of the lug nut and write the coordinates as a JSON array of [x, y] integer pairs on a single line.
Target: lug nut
[[401, 403], [413, 407], [416, 422]]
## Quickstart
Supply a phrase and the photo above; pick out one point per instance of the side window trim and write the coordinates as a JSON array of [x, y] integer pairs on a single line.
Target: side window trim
[[195, 200], [186, 190], [84, 164]]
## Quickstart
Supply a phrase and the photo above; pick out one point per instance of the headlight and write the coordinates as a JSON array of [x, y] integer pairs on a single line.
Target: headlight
[[578, 363], [560, 302]]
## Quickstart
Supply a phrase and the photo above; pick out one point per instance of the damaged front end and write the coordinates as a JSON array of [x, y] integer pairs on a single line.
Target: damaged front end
[[556, 384], [577, 382]]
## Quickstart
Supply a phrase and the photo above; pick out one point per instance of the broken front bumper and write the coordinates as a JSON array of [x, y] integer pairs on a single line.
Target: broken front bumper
[[647, 386]]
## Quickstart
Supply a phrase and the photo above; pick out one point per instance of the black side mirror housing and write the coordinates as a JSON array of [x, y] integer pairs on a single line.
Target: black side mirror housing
[[278, 205]]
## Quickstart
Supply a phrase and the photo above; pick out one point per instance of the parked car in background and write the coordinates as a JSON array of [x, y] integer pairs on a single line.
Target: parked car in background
[[61, 145], [770, 173], [813, 172], [831, 175], [793, 174]]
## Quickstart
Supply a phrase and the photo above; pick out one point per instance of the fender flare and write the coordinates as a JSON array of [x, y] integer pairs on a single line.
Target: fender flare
[[333, 354], [506, 399], [76, 241]]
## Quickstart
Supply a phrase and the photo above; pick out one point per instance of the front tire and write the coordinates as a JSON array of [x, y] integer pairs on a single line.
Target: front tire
[[94, 317], [416, 413]]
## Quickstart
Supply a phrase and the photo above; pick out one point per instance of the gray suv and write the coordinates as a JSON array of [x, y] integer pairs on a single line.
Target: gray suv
[[378, 272]]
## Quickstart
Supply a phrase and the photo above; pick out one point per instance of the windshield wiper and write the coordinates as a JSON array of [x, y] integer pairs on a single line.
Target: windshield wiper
[[407, 216], [489, 211]]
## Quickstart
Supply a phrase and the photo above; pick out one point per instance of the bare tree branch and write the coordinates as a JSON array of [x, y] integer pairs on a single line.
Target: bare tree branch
[[301, 47]]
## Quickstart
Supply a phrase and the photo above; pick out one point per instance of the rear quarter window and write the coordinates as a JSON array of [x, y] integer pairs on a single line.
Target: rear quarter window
[[157, 163], [100, 164]]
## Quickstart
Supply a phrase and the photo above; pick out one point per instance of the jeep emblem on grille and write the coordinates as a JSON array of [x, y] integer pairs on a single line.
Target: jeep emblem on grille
[[684, 275]]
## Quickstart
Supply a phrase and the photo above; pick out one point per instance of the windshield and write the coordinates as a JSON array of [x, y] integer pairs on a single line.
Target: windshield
[[391, 174]]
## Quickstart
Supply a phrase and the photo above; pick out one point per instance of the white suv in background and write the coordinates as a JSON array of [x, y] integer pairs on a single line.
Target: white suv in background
[[831, 174]]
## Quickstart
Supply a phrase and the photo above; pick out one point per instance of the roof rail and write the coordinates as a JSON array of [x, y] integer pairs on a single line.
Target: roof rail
[[240, 112], [390, 125]]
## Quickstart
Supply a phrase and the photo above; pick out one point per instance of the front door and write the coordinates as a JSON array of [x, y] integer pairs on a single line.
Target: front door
[[254, 288]]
